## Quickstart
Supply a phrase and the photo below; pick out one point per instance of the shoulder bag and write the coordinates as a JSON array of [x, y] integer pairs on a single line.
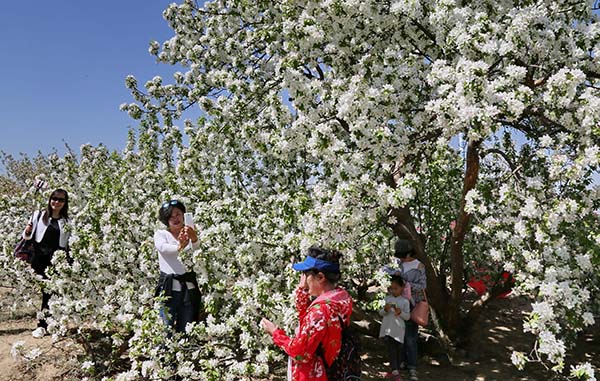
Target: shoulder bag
[[420, 313], [25, 248]]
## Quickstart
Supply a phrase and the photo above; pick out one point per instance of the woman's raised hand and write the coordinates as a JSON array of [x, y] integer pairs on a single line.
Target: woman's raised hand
[[183, 239], [29, 228], [302, 284], [185, 235], [268, 326], [191, 233]]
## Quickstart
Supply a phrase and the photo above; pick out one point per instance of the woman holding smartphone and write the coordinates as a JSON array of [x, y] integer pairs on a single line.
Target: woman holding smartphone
[[177, 283], [47, 228]]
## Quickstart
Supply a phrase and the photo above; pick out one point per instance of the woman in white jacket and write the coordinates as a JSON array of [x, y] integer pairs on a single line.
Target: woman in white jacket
[[47, 228]]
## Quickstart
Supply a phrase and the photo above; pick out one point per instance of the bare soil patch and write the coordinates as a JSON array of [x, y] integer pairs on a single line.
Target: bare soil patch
[[51, 361], [487, 355], [485, 358], [44, 367]]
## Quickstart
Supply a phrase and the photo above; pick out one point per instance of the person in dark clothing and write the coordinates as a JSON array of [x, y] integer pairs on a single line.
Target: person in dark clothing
[[47, 228]]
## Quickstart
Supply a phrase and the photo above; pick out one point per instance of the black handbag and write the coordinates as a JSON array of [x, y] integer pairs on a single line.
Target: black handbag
[[25, 248]]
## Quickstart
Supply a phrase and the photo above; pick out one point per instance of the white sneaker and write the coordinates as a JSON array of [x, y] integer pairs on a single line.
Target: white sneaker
[[39, 332], [412, 375]]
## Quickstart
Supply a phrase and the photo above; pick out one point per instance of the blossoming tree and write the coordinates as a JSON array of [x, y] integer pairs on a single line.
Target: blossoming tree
[[471, 129], [392, 116]]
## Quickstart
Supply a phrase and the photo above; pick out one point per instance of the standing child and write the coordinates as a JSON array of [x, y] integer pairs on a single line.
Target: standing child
[[395, 310], [413, 273]]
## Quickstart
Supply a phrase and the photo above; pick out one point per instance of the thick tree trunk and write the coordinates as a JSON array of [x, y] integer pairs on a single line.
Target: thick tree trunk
[[405, 228], [445, 302], [451, 316]]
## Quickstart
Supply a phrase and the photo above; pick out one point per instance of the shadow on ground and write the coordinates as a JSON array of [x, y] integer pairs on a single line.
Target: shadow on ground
[[486, 357], [13, 331]]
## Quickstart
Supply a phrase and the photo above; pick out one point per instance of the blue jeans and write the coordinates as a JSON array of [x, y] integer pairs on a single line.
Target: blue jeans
[[410, 344], [177, 312]]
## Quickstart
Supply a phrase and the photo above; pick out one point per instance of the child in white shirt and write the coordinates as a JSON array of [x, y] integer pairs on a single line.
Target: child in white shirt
[[394, 312]]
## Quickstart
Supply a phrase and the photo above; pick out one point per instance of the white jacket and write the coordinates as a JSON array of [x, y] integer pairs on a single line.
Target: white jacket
[[392, 325], [41, 227]]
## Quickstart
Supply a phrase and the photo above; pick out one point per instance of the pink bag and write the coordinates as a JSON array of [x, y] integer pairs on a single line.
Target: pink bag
[[420, 313]]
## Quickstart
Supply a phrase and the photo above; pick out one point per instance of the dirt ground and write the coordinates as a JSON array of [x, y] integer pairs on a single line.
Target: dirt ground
[[49, 365], [486, 359]]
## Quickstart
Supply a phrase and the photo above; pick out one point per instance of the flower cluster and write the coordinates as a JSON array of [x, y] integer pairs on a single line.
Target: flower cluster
[[336, 122]]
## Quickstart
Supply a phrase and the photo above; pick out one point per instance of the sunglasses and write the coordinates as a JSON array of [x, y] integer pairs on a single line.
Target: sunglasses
[[57, 199], [171, 203]]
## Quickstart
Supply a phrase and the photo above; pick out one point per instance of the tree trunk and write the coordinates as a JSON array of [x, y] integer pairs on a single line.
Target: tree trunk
[[445, 302], [451, 316], [405, 228]]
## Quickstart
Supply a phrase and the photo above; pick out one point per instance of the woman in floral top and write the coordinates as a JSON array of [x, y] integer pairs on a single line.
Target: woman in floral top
[[319, 319]]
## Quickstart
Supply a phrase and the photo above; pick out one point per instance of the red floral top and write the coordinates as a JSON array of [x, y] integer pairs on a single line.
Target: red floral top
[[319, 324]]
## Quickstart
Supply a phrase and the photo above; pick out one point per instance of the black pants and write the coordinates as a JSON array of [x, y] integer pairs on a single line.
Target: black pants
[[41, 260], [394, 349], [45, 299], [178, 311]]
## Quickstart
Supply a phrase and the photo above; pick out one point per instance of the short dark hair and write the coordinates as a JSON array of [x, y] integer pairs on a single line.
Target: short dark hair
[[328, 255], [403, 248], [398, 280], [164, 213]]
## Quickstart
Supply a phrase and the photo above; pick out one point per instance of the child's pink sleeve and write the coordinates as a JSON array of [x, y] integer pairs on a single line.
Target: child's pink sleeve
[[406, 293]]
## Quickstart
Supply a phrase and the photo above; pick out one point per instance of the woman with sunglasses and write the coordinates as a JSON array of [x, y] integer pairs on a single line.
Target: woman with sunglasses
[[176, 283], [322, 309], [47, 228]]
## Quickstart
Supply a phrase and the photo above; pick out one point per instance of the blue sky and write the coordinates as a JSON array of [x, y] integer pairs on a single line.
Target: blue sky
[[63, 68]]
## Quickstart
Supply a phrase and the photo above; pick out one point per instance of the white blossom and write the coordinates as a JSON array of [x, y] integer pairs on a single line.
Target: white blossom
[[15, 350], [324, 122]]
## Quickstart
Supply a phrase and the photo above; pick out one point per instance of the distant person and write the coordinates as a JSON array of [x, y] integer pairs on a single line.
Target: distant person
[[413, 272], [395, 311], [47, 228], [319, 320], [176, 282]]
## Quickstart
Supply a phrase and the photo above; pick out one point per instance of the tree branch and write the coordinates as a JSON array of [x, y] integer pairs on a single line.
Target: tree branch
[[427, 33], [343, 123], [512, 166], [320, 71]]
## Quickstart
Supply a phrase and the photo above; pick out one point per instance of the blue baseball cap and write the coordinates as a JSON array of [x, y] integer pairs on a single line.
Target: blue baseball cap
[[311, 263]]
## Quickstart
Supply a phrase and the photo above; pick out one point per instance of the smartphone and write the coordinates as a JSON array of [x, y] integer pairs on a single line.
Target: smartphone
[[188, 219]]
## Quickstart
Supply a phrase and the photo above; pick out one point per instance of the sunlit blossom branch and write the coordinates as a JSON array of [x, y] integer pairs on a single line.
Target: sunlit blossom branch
[[508, 161]]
